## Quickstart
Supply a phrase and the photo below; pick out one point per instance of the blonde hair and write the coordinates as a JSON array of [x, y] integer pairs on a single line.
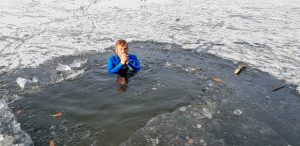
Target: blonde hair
[[121, 43]]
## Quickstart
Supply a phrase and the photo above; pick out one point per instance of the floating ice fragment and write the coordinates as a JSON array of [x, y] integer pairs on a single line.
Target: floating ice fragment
[[155, 141], [74, 74], [183, 109], [62, 67], [77, 63], [168, 64], [154, 88], [167, 47], [21, 82], [34, 80], [206, 113], [237, 112], [199, 126]]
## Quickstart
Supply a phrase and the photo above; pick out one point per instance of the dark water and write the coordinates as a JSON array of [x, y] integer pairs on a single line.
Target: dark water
[[95, 112]]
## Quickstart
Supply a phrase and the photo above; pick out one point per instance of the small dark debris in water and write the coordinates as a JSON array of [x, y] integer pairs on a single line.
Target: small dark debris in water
[[279, 87], [19, 111], [57, 114], [238, 70], [177, 19]]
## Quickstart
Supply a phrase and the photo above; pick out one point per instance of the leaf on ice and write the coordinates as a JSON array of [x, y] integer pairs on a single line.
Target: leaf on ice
[[217, 80], [57, 114]]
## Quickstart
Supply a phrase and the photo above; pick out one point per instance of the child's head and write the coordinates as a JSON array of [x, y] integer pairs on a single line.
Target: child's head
[[121, 47]]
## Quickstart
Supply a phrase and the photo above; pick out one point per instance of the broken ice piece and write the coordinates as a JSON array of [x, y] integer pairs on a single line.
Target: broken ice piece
[[77, 63], [34, 80], [237, 112], [21, 82], [62, 67], [183, 109], [239, 69], [155, 141], [206, 113], [199, 126]]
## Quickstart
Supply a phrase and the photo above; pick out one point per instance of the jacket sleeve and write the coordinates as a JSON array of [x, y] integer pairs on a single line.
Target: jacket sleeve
[[111, 69], [134, 63]]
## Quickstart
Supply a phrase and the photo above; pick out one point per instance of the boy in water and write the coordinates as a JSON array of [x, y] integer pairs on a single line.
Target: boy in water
[[122, 63]]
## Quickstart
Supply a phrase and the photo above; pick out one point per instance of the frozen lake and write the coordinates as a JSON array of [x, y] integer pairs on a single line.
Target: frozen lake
[[263, 34]]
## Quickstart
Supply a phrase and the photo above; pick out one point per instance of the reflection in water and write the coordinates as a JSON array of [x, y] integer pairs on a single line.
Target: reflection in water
[[123, 83], [123, 78]]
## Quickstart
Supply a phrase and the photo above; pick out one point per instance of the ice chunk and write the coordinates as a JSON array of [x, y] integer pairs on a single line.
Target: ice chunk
[[33, 80], [168, 64], [199, 126], [1, 137], [155, 141], [183, 109], [237, 112], [62, 67], [206, 113], [21, 82], [77, 63], [75, 74]]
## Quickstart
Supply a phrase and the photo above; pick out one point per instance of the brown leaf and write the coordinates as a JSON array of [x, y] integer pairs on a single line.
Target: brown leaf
[[239, 69], [190, 141], [57, 114], [19, 112], [217, 80]]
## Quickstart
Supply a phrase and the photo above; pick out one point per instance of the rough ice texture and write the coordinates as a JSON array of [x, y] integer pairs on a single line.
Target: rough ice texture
[[13, 136], [263, 34]]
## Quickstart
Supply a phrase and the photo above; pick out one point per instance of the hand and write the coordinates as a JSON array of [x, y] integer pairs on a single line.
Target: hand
[[124, 59]]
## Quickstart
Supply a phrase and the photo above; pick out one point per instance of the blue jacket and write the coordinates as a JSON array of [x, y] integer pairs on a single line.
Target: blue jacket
[[114, 64]]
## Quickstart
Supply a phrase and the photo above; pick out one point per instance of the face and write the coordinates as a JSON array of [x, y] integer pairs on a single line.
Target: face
[[122, 50]]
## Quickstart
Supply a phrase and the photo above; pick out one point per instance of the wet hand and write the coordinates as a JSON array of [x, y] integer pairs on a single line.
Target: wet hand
[[124, 59]]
